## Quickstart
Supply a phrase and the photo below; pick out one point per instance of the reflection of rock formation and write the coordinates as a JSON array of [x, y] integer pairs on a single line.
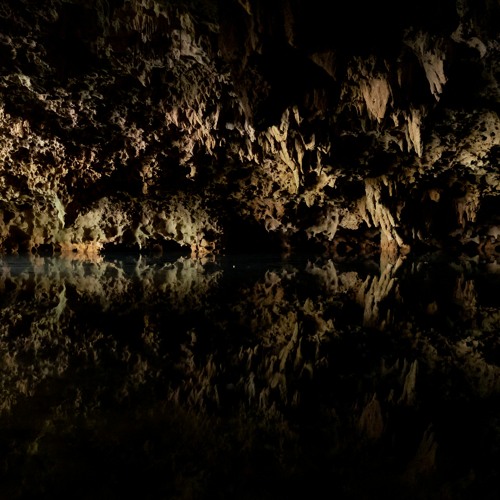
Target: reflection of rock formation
[[309, 361], [45, 328], [373, 292]]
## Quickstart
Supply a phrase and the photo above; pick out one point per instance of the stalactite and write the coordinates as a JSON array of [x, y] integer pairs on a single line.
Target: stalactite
[[376, 93], [431, 56], [468, 205], [327, 225], [413, 131]]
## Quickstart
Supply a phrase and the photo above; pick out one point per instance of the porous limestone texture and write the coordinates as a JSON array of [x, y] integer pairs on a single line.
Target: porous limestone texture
[[235, 125]]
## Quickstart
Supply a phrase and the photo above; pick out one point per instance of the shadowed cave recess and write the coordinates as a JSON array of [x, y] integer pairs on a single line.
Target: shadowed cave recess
[[249, 249]]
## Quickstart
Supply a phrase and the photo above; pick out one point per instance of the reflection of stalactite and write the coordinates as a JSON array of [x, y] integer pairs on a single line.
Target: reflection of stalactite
[[374, 291], [375, 212], [424, 461], [327, 275], [371, 422], [409, 374], [484, 376], [465, 295], [35, 328]]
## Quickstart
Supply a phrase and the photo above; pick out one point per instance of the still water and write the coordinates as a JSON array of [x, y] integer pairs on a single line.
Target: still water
[[249, 378]]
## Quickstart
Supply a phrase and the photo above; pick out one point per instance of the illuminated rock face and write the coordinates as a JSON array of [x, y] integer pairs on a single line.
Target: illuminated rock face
[[220, 126]]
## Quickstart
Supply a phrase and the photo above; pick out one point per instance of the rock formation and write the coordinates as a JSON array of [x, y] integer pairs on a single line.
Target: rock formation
[[248, 125]]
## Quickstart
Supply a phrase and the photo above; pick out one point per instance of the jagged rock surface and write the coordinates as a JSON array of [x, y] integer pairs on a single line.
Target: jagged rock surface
[[248, 124]]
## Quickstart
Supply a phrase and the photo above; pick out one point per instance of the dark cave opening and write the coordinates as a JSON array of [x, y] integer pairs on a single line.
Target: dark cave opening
[[489, 211], [247, 237]]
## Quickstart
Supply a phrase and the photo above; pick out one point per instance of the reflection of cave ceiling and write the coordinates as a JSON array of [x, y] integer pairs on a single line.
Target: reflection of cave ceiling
[[248, 124]]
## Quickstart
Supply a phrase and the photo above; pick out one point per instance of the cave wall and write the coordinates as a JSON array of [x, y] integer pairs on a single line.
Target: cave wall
[[249, 125]]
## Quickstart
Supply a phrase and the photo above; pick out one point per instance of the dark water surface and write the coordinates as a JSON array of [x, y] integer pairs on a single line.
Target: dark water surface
[[249, 378]]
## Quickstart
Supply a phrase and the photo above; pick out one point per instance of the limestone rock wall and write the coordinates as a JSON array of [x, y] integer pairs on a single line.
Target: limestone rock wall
[[222, 125]]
